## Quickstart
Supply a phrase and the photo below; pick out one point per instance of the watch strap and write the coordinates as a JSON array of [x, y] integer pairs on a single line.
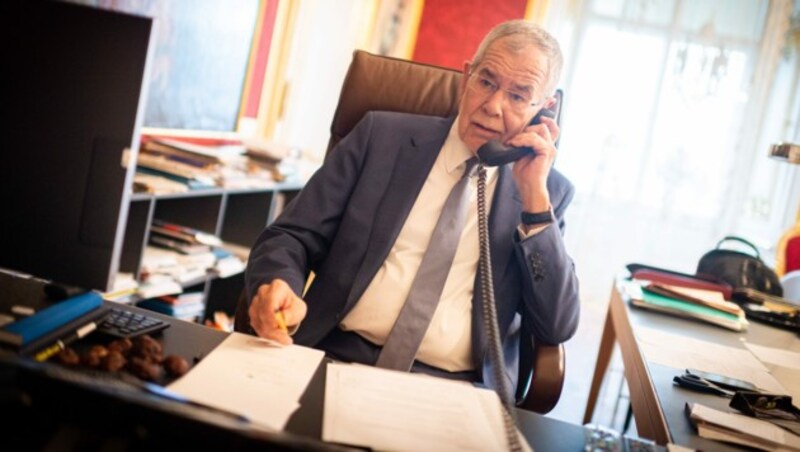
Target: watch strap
[[529, 218]]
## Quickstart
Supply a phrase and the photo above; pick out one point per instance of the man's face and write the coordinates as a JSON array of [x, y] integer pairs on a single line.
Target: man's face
[[497, 93]]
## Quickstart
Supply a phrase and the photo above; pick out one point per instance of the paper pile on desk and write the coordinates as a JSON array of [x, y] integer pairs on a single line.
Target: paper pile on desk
[[252, 377], [389, 410], [681, 352], [784, 365], [704, 305], [740, 429]]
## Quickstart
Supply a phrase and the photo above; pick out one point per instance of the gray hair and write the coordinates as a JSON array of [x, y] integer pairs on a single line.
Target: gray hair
[[522, 34]]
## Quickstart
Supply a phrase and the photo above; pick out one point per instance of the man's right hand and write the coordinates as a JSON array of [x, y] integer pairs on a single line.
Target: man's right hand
[[270, 299]]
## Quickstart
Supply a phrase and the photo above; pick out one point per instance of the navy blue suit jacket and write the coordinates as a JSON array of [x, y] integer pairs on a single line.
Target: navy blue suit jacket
[[346, 219]]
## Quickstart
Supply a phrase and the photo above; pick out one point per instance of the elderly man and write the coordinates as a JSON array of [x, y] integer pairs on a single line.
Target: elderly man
[[393, 286]]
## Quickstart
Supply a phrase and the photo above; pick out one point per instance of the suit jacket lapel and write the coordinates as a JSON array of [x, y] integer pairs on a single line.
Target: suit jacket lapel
[[411, 167], [503, 222]]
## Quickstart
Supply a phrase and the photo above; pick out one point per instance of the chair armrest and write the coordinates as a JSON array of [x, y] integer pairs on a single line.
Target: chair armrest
[[547, 380]]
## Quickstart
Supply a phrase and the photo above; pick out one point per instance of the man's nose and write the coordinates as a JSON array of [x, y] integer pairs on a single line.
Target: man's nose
[[493, 105]]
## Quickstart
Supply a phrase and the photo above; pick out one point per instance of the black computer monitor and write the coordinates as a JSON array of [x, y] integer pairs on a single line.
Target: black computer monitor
[[73, 100]]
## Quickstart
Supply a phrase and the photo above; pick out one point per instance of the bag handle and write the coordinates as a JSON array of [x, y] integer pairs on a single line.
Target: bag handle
[[741, 240]]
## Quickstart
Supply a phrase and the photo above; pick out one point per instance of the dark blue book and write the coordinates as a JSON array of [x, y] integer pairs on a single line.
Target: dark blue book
[[173, 310], [23, 332]]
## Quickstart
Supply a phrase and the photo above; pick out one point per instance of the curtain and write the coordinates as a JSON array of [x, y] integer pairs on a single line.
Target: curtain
[[663, 130]]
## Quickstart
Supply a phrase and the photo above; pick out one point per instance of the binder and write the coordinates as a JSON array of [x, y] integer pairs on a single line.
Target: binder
[[23, 333]]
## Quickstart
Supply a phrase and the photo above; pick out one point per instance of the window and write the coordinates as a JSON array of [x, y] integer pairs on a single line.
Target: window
[[664, 131]]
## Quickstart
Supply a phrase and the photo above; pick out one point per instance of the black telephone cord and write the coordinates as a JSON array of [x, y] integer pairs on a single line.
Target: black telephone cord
[[490, 317]]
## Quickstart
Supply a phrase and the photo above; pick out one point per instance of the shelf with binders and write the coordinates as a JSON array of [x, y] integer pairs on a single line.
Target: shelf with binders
[[233, 216]]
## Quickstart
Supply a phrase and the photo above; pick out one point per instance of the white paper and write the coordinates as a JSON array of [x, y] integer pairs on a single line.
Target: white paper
[[771, 355], [388, 410], [790, 379], [745, 425], [784, 365], [253, 377], [688, 353]]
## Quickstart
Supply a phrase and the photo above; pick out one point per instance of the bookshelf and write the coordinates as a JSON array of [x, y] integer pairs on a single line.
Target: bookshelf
[[237, 216]]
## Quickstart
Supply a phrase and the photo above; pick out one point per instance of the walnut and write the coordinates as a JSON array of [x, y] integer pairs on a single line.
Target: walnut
[[94, 357], [68, 357], [114, 361], [147, 347], [123, 346], [175, 365], [144, 369]]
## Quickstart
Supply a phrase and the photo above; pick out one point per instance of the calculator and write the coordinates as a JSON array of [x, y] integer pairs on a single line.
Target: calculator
[[122, 323]]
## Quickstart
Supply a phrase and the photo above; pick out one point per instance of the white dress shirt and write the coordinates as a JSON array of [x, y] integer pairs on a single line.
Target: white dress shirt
[[448, 342]]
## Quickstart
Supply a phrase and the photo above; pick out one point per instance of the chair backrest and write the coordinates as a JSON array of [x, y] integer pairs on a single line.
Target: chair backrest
[[376, 82]]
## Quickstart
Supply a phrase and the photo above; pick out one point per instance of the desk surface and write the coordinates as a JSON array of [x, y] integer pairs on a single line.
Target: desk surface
[[658, 404], [192, 341]]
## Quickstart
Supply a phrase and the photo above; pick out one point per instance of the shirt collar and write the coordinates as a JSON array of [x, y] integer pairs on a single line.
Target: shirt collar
[[455, 151]]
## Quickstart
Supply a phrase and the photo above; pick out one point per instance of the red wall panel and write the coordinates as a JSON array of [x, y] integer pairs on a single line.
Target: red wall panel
[[451, 30]]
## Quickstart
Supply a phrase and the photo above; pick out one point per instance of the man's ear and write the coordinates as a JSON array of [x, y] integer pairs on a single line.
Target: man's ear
[[465, 78]]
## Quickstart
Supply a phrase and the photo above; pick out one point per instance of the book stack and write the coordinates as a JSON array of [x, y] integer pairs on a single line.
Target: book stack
[[739, 429], [180, 256], [124, 289], [187, 306], [156, 285], [194, 166], [269, 156], [174, 166], [699, 304], [182, 239], [227, 263], [64, 319]]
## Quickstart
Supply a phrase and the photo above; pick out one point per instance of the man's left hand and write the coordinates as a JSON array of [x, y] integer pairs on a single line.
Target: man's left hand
[[530, 172]]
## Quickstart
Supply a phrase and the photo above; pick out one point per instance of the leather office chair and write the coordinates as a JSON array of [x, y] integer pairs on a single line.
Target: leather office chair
[[383, 83]]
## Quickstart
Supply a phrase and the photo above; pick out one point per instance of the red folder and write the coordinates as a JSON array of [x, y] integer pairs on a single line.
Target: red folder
[[664, 276]]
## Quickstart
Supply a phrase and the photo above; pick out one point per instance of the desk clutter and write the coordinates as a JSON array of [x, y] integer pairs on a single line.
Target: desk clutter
[[177, 166], [765, 428], [364, 406], [177, 257], [141, 357], [50, 333], [705, 298]]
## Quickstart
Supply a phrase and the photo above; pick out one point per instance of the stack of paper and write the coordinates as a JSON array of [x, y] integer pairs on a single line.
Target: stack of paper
[[389, 410], [740, 429], [682, 352], [252, 377], [705, 305]]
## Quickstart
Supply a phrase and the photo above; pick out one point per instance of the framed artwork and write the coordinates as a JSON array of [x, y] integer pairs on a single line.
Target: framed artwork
[[200, 63]]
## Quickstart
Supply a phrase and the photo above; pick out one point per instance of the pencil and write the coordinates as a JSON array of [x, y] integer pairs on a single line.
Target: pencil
[[281, 321], [48, 352]]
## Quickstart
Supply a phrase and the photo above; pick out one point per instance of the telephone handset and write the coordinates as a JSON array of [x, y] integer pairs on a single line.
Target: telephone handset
[[493, 153]]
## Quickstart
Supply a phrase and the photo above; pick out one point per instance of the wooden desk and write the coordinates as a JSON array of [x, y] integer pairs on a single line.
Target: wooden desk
[[658, 405]]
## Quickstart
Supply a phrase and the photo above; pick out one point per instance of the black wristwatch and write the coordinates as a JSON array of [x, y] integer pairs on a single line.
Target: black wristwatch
[[538, 218]]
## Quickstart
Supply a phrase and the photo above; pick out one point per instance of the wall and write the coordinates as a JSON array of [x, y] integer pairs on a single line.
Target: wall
[[451, 30]]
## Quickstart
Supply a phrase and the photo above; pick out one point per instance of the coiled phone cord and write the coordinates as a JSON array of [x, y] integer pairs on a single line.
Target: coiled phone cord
[[490, 316]]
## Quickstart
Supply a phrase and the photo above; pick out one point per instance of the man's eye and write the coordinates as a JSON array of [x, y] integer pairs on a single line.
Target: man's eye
[[486, 83], [517, 98]]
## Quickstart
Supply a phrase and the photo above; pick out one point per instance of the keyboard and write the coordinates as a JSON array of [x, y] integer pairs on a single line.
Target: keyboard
[[122, 323]]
